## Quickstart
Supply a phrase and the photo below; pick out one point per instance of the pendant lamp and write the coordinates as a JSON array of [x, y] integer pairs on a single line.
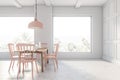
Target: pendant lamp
[[35, 24]]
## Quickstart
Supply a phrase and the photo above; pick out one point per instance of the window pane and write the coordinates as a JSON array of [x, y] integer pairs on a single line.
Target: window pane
[[73, 33], [15, 29]]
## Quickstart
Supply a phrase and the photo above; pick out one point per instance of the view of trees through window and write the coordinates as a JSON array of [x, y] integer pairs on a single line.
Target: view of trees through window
[[73, 33], [15, 30]]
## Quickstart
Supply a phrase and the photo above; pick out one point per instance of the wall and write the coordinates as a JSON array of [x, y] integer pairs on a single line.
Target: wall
[[111, 31], [45, 34], [45, 15], [118, 31], [96, 14], [16, 12]]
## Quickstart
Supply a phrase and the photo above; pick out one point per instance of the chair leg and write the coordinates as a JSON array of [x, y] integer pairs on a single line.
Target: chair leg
[[46, 61], [19, 67], [32, 69], [13, 64], [23, 69], [56, 62], [26, 65], [54, 65], [17, 63], [36, 66], [10, 65]]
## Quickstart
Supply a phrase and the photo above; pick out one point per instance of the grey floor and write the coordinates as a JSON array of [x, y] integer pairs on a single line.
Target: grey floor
[[68, 70]]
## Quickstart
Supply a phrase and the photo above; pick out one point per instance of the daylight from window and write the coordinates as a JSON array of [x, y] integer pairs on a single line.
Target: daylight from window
[[73, 33], [15, 30]]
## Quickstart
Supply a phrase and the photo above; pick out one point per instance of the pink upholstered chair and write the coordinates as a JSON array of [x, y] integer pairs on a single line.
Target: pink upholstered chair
[[28, 56], [53, 56]]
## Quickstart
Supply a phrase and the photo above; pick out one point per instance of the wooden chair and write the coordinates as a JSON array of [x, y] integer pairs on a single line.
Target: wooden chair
[[13, 56], [53, 56], [44, 45], [28, 56]]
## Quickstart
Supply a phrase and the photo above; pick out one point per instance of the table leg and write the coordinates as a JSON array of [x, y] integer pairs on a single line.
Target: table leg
[[42, 65], [19, 67], [47, 59]]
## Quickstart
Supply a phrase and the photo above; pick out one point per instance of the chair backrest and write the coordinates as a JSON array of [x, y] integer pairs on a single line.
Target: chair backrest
[[24, 46], [11, 49], [56, 48], [44, 45]]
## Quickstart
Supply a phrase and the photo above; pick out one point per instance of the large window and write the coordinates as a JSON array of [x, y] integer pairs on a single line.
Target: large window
[[15, 29], [73, 33]]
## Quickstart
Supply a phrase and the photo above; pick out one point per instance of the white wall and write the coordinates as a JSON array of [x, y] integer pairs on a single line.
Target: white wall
[[111, 30], [46, 34], [16, 12], [118, 31], [96, 13]]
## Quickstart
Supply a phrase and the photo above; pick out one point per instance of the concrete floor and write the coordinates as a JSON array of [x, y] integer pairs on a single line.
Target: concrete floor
[[68, 70]]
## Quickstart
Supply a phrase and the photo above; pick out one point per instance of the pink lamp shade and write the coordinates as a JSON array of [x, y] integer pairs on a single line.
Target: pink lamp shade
[[35, 24]]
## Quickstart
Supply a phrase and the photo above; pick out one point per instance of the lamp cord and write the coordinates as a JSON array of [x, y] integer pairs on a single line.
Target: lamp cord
[[35, 9]]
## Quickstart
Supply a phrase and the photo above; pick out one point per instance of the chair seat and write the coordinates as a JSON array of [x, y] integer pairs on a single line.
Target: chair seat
[[28, 59], [50, 56], [15, 57]]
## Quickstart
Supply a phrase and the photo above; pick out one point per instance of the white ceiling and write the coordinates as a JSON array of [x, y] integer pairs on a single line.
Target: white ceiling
[[76, 3]]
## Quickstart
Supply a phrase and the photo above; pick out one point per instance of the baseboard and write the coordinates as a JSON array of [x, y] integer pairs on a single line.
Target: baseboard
[[110, 59]]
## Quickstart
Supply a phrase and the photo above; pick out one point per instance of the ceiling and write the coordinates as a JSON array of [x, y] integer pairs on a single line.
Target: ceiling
[[75, 3]]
